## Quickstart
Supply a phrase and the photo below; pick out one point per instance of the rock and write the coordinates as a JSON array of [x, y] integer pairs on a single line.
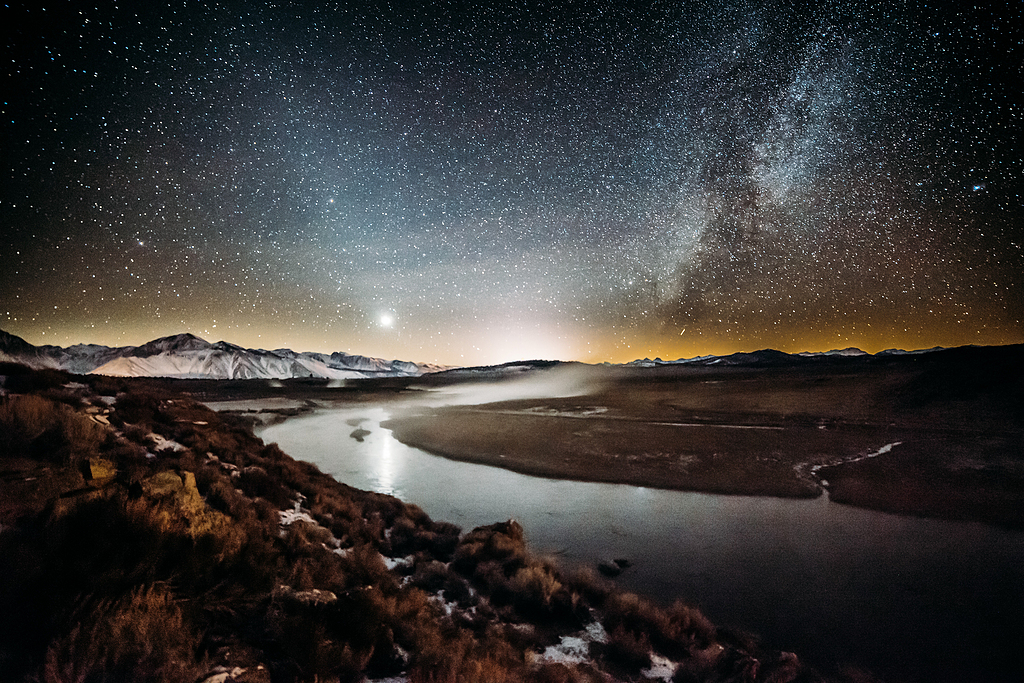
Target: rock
[[179, 488], [162, 484], [222, 674], [358, 434], [612, 568], [98, 471], [310, 597]]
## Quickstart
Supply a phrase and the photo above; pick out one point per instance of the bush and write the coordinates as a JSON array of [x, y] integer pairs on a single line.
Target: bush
[[139, 406], [142, 636], [534, 588], [430, 576], [627, 651], [501, 543], [34, 427], [255, 482], [673, 632], [23, 380]]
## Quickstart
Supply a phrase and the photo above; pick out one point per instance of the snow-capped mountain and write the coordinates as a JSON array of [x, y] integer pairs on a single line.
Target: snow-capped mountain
[[188, 356], [849, 352]]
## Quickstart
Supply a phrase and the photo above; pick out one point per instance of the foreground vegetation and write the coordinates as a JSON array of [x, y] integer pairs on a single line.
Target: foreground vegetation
[[145, 537]]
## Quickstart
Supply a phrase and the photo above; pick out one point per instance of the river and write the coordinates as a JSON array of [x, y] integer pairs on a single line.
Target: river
[[908, 598]]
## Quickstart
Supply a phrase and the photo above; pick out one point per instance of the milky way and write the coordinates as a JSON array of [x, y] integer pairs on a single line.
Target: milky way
[[470, 183]]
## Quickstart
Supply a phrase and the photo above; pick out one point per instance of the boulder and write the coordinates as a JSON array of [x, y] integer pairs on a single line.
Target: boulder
[[179, 488], [310, 597], [162, 484], [98, 471]]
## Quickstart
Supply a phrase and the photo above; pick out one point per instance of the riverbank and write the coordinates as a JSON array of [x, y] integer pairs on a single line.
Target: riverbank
[[589, 443], [788, 432], [143, 536]]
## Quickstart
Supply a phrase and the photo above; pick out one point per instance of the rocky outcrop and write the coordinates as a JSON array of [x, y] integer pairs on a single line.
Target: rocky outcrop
[[98, 471], [306, 598], [181, 501]]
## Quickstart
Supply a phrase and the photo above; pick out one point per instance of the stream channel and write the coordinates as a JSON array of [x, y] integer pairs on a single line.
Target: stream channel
[[909, 599]]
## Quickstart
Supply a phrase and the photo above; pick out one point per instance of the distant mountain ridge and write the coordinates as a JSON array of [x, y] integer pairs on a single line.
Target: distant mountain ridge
[[186, 356], [773, 357]]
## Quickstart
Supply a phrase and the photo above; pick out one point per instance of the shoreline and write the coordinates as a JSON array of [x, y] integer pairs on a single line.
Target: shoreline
[[176, 545], [860, 478]]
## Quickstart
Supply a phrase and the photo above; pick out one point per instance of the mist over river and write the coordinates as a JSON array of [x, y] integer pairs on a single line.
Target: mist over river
[[910, 599]]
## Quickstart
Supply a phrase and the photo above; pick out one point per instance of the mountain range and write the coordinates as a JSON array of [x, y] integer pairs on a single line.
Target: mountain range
[[771, 356], [186, 356]]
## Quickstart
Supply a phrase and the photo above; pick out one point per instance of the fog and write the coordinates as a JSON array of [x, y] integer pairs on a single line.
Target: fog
[[562, 381]]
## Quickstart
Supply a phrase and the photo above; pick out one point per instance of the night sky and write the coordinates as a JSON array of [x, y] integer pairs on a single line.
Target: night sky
[[481, 182]]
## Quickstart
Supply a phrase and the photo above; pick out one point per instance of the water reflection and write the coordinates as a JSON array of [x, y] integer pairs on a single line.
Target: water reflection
[[386, 468], [922, 599]]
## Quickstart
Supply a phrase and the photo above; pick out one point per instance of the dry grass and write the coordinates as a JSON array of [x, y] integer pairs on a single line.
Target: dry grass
[[42, 429], [142, 636]]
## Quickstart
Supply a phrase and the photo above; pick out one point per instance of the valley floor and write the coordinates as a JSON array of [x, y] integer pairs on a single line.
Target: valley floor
[[776, 433]]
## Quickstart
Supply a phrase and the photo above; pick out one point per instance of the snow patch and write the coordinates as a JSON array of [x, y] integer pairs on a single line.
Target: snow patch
[[393, 563], [575, 649], [662, 668], [874, 454], [160, 443], [571, 650], [292, 516], [296, 515]]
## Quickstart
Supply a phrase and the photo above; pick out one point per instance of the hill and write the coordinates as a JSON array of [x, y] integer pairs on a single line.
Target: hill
[[145, 537]]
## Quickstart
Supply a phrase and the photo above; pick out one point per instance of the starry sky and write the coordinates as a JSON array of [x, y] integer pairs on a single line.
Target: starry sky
[[471, 183]]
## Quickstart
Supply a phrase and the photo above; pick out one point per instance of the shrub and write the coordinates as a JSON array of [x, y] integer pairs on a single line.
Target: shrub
[[674, 632], [31, 426], [418, 533], [626, 650], [255, 481], [304, 646], [139, 406], [534, 588], [365, 567], [688, 625], [142, 636], [560, 673], [591, 587], [502, 543], [430, 576], [23, 380]]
